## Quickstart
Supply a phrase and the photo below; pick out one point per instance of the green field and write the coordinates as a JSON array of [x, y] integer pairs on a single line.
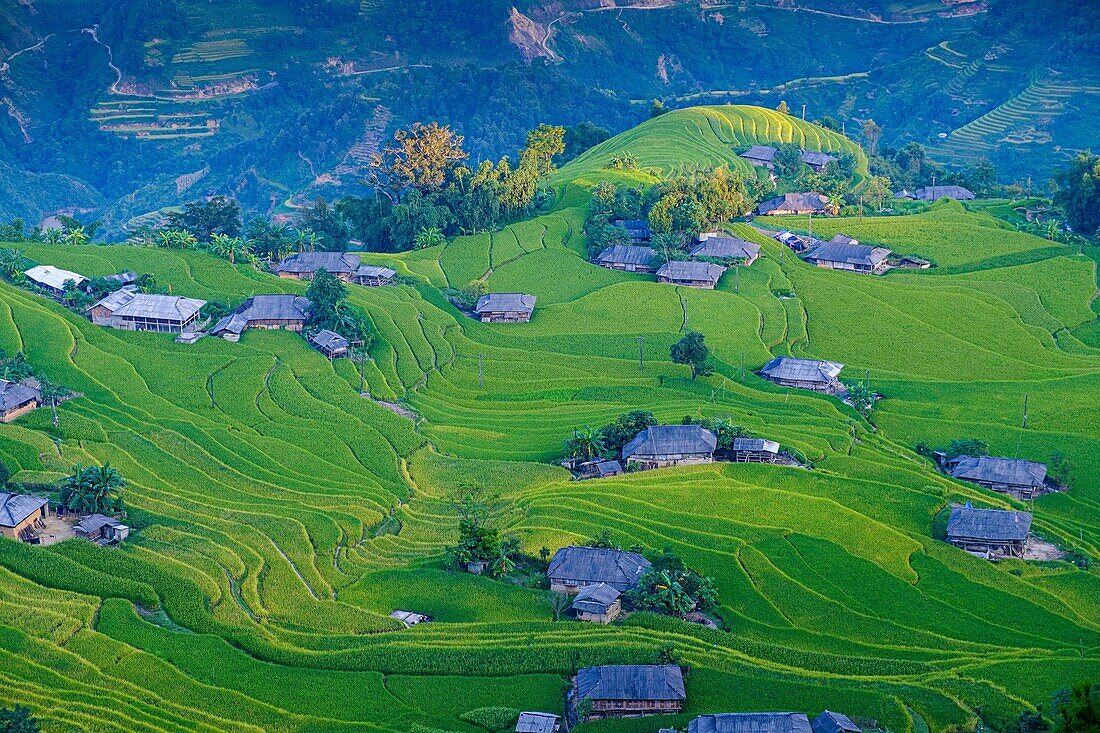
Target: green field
[[254, 593]]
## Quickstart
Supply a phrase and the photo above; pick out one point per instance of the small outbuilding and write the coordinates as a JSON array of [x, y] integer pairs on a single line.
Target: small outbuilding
[[817, 160], [304, 266], [101, 529], [529, 722], [814, 374], [761, 156], [17, 399], [830, 722], [840, 255], [599, 603], [1013, 476], [125, 279], [52, 279], [573, 568], [627, 258], [638, 229], [330, 343], [792, 240], [991, 532], [22, 516], [721, 246], [630, 690], [410, 618], [505, 308], [691, 274], [374, 276], [659, 446], [751, 723], [794, 203], [754, 450]]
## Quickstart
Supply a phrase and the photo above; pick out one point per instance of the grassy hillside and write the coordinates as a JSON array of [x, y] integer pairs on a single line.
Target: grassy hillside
[[280, 516]]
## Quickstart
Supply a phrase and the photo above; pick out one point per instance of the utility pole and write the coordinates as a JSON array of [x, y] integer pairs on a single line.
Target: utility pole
[[803, 112], [933, 197], [861, 208], [811, 227], [641, 353], [742, 366], [1029, 187], [737, 275], [481, 370], [1025, 411]]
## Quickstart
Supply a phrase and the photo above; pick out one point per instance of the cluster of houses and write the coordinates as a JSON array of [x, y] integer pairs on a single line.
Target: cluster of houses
[[846, 253], [596, 577], [698, 272], [763, 156], [24, 517], [346, 266]]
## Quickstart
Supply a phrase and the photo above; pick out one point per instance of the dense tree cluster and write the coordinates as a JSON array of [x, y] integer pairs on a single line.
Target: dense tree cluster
[[331, 310], [1079, 193], [671, 587], [93, 490]]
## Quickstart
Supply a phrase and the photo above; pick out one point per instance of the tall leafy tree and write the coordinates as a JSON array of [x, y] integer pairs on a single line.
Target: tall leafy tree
[[326, 293], [544, 143], [203, 219], [18, 719], [692, 350], [420, 158], [326, 223], [1078, 193]]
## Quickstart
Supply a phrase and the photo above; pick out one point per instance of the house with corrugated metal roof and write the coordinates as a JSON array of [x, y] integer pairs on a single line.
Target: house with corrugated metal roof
[[530, 722], [130, 310], [659, 446], [575, 567], [630, 690], [991, 532], [52, 279], [754, 450], [373, 276]]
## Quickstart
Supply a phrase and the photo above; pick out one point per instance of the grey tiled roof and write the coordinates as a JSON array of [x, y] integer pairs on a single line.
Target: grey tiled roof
[[1014, 471], [814, 157], [988, 524], [592, 565], [329, 340], [663, 440], [608, 468], [631, 682], [15, 394], [760, 152], [755, 445], [334, 262], [852, 254], [15, 508], [626, 254], [725, 248], [114, 301], [536, 723], [751, 723], [801, 370], [275, 308], [375, 271], [691, 271], [952, 192], [795, 202], [505, 303], [595, 598], [830, 722], [162, 307]]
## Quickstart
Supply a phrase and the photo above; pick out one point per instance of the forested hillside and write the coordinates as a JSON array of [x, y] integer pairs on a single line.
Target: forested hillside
[[279, 102]]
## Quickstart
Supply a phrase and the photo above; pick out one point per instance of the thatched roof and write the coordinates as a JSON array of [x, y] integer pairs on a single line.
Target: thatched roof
[[15, 508], [667, 440], [631, 682], [993, 525], [1012, 471], [750, 723], [594, 565]]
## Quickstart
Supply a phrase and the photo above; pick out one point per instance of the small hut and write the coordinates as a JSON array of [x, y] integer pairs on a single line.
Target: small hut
[[754, 450], [1013, 476], [374, 276], [813, 374], [330, 343], [505, 308], [529, 722], [599, 603], [101, 529]]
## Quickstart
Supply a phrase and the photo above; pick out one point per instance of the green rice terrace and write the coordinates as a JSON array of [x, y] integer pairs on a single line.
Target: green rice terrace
[[279, 516]]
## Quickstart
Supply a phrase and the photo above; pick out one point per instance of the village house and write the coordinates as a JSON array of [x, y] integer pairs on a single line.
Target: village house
[[1013, 476], [751, 723], [990, 532], [373, 276], [125, 279], [409, 618], [820, 376], [17, 399], [330, 343], [830, 722], [52, 279], [792, 240], [130, 310], [841, 254], [287, 312], [754, 450], [505, 308], [101, 529], [761, 156], [690, 273], [537, 723], [721, 246], [304, 266], [599, 603], [573, 568], [630, 690], [671, 445], [794, 203], [935, 193], [638, 229], [817, 161], [22, 516], [627, 257]]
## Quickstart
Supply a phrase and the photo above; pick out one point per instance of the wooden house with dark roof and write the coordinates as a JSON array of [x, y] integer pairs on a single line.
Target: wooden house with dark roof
[[659, 446], [830, 722], [935, 193], [991, 532], [754, 450], [638, 229], [817, 160], [794, 203], [599, 603], [573, 568], [630, 690], [1014, 476], [505, 308], [304, 265], [751, 723], [101, 529], [286, 312], [813, 374], [22, 516], [690, 274], [761, 156], [17, 399], [627, 258], [721, 246], [331, 344], [839, 254]]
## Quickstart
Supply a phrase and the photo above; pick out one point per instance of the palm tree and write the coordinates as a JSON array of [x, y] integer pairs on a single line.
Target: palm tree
[[225, 247], [1078, 709], [104, 486], [835, 202], [307, 240], [672, 595], [502, 565], [74, 489], [54, 236], [585, 444]]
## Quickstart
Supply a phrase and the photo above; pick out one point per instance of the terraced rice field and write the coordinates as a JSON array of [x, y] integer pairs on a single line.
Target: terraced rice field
[[254, 594]]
